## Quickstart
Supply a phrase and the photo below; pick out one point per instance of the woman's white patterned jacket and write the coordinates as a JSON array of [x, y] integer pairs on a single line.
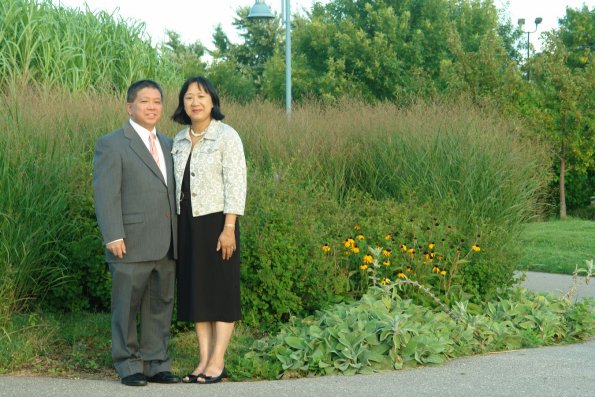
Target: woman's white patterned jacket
[[217, 170]]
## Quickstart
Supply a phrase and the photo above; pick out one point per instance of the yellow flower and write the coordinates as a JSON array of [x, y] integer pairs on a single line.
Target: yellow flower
[[411, 250], [476, 248], [355, 249], [357, 227], [363, 267], [384, 281], [368, 258], [443, 272], [409, 269], [360, 237], [431, 245], [435, 269], [386, 263], [401, 275], [386, 252], [326, 248], [403, 248], [349, 242], [388, 237]]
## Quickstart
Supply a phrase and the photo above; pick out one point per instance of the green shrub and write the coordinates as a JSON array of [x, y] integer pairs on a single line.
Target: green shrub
[[88, 283], [281, 272], [383, 331]]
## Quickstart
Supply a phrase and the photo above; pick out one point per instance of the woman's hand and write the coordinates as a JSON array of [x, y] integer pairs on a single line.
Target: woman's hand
[[226, 243]]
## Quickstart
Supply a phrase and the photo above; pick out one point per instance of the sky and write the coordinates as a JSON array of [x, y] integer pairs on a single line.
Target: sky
[[196, 20]]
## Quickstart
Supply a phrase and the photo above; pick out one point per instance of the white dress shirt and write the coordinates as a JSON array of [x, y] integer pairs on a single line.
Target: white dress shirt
[[145, 137]]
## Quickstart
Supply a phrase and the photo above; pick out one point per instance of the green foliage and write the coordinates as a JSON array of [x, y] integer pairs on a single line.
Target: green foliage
[[74, 49], [186, 59], [231, 84], [456, 163], [51, 253], [33, 174], [394, 50], [426, 250], [577, 31], [247, 60], [560, 104], [281, 274], [88, 281], [383, 331]]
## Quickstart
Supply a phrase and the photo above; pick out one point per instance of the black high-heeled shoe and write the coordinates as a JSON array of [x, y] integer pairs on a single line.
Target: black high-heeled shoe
[[213, 379], [191, 378]]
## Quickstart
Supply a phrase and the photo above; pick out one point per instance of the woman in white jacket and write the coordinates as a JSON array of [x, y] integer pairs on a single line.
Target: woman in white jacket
[[210, 175]]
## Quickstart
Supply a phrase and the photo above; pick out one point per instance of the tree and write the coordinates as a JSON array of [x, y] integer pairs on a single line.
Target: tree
[[222, 44], [398, 50], [564, 88], [185, 58], [261, 38]]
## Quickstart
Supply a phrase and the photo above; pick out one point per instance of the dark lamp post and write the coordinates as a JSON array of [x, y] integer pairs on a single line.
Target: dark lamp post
[[521, 23]]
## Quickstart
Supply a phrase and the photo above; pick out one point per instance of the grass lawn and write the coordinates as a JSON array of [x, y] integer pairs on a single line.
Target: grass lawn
[[558, 246]]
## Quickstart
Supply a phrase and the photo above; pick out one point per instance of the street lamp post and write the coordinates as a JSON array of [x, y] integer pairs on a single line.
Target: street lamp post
[[259, 11], [521, 23]]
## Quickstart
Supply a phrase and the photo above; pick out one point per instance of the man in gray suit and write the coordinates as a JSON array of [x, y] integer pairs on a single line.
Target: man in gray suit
[[133, 185]]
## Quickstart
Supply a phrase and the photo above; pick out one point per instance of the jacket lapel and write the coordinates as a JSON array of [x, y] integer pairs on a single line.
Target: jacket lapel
[[138, 147]]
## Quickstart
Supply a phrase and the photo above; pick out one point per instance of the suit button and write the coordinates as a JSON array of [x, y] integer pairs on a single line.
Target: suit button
[[193, 174]]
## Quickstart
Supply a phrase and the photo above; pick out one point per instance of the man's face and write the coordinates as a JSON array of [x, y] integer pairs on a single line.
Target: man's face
[[147, 108]]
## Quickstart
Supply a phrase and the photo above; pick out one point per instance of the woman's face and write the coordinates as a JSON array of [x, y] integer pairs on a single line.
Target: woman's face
[[198, 104]]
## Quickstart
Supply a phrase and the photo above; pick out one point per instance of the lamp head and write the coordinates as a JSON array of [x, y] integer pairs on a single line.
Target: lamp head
[[538, 20], [260, 10]]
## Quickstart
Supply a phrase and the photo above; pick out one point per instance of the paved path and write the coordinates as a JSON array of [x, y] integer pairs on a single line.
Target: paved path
[[555, 371], [559, 284]]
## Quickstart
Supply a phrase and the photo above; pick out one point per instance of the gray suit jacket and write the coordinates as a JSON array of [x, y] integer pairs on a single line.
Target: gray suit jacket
[[132, 200]]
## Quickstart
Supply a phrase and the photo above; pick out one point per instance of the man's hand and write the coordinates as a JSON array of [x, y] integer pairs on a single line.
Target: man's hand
[[118, 248]]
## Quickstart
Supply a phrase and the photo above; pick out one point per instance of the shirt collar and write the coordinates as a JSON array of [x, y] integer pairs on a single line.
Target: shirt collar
[[142, 131]]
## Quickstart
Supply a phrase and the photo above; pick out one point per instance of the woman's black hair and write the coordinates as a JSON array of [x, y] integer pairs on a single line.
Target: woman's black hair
[[180, 115]]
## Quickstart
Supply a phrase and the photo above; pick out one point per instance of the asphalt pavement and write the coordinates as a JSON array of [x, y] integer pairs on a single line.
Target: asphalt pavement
[[555, 371]]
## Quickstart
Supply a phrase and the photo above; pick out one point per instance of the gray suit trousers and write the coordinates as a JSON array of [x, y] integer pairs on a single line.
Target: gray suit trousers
[[146, 288]]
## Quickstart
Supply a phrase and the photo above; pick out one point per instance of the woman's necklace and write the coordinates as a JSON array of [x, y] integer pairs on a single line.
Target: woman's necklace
[[197, 135]]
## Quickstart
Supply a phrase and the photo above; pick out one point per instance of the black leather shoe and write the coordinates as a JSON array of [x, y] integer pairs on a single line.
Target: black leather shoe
[[206, 380], [137, 379], [164, 377]]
